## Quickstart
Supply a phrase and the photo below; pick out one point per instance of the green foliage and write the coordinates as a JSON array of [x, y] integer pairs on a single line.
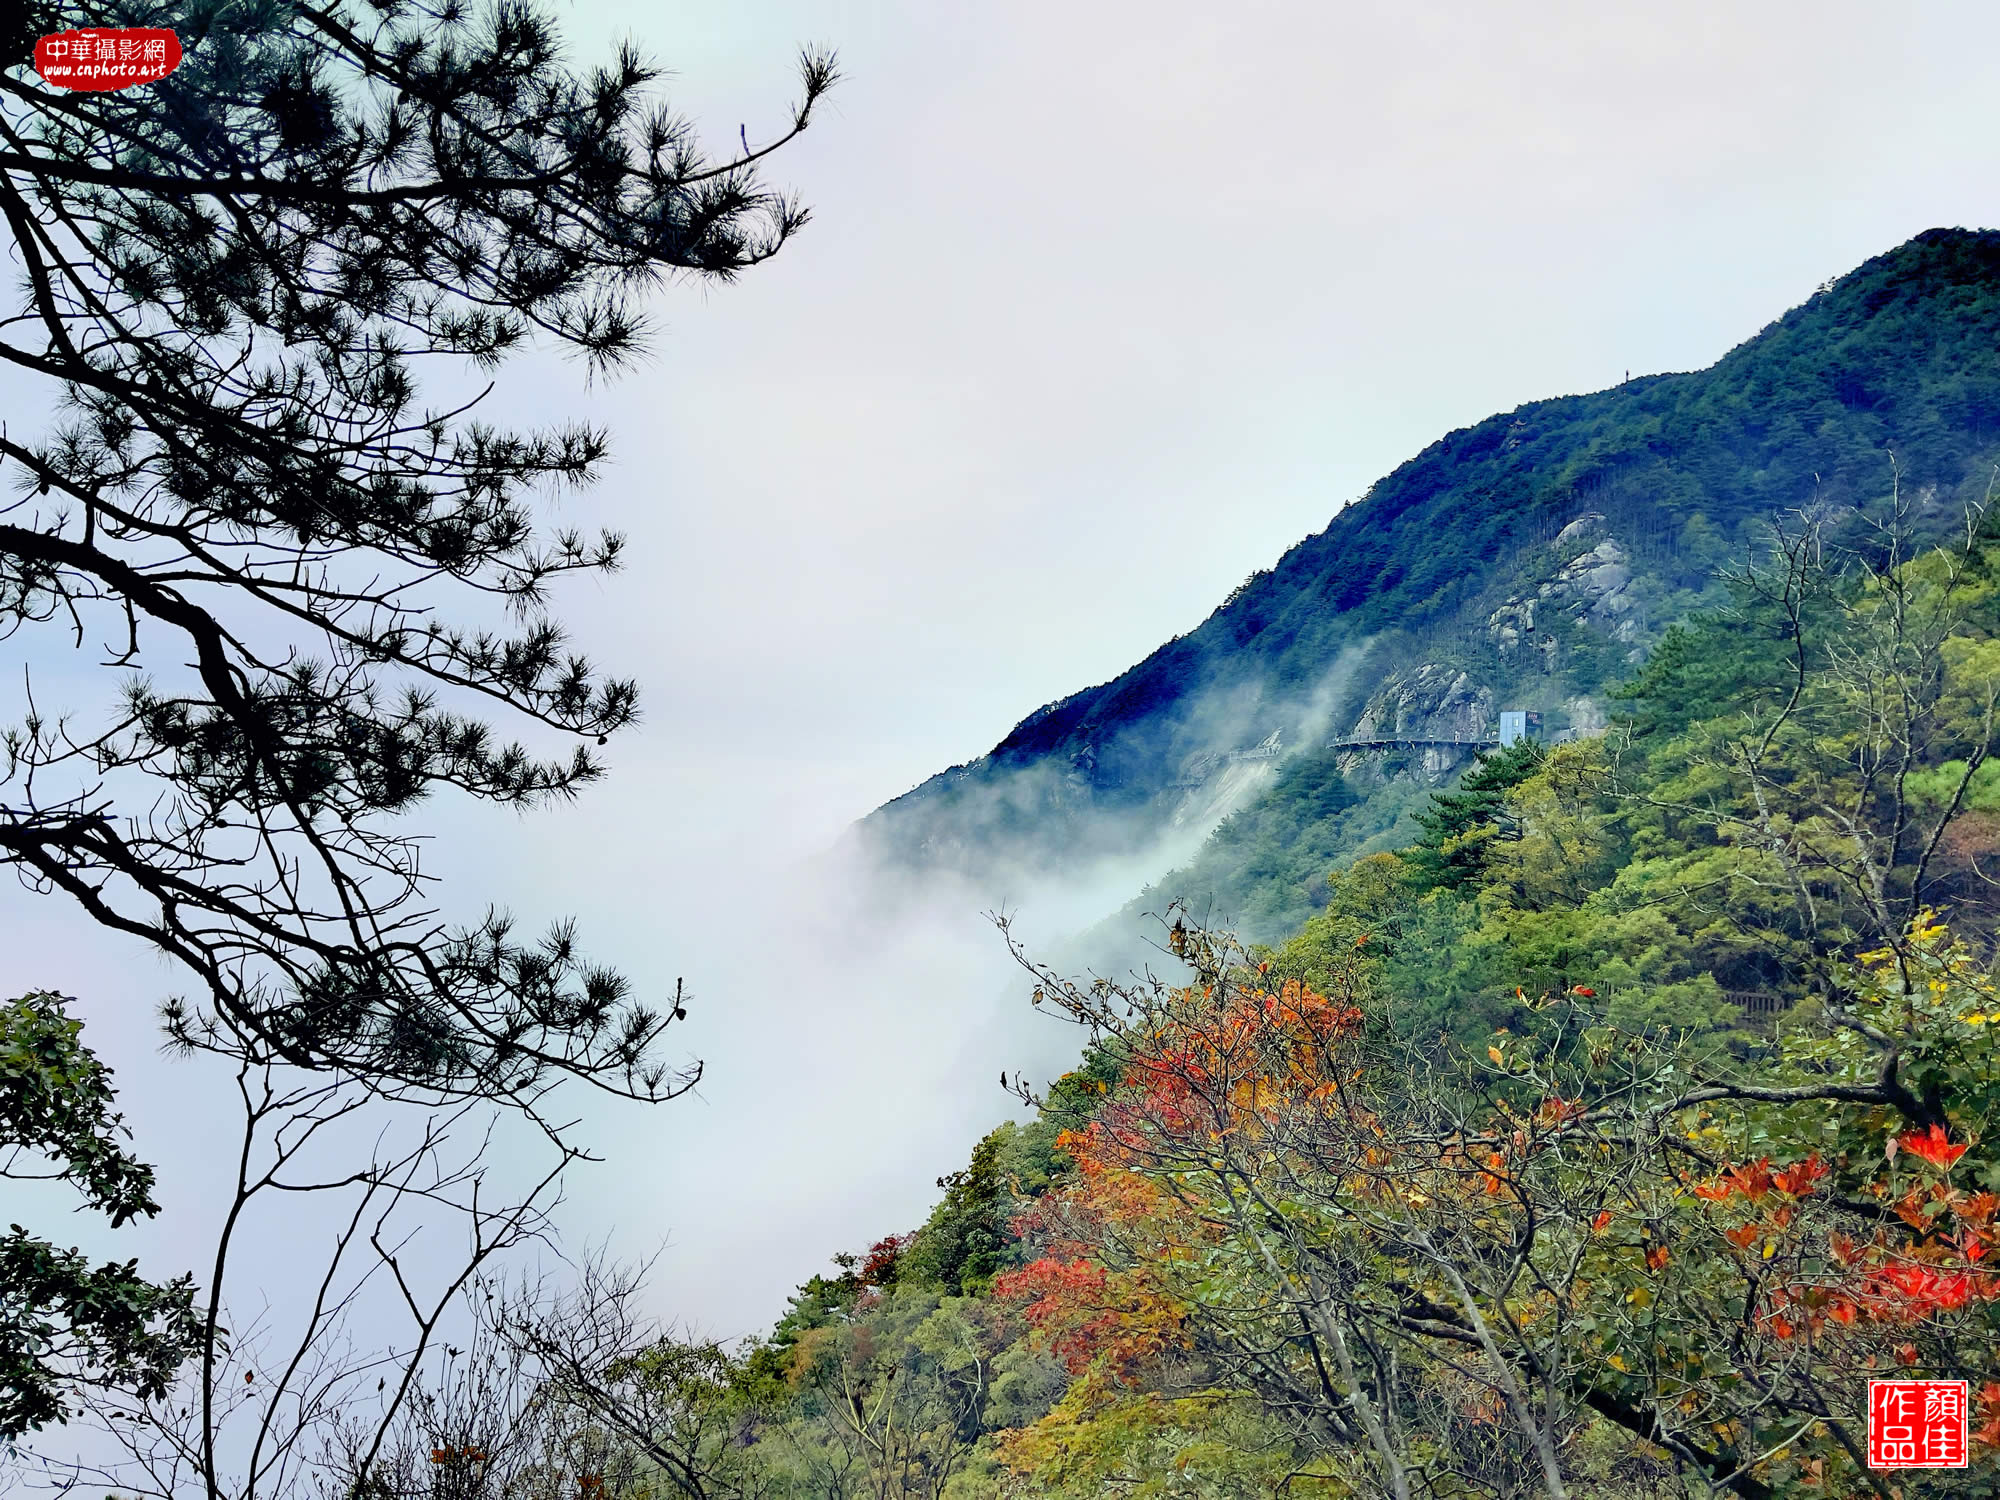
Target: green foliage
[[1459, 825], [1265, 866], [1565, 946], [964, 1242], [63, 1323]]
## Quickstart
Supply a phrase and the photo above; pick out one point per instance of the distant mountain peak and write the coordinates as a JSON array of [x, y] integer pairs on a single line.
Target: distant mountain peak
[[1526, 561]]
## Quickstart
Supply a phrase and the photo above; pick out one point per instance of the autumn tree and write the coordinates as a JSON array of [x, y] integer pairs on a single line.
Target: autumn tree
[[1458, 1273]]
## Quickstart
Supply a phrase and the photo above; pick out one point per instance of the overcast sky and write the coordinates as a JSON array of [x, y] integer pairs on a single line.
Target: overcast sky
[[1102, 308]]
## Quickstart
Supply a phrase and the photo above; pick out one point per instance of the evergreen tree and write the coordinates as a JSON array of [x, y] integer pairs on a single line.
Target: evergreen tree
[[230, 279], [1459, 824], [307, 585], [963, 1243]]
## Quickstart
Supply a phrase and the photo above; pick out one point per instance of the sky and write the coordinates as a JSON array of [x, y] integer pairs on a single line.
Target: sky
[[1103, 306]]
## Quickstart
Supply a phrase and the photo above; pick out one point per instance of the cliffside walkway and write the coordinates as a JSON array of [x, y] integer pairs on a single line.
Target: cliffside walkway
[[1400, 743]]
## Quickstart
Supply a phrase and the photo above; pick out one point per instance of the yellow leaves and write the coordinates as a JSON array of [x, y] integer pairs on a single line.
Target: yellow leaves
[[1617, 1362], [1498, 1060], [1640, 1296]]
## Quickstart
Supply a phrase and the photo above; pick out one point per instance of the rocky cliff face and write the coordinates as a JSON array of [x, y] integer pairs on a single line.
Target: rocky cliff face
[[1593, 583], [1586, 583], [1434, 701]]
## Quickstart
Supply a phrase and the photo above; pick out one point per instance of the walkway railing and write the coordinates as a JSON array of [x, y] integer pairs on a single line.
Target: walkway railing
[[1399, 742]]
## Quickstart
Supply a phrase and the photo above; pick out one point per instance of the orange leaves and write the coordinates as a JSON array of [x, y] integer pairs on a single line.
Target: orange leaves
[[1558, 1111], [1976, 1208], [1931, 1145], [1047, 1287], [1987, 1407], [1753, 1182], [1907, 1293], [1757, 1181], [1602, 1222], [1800, 1177], [1910, 1209], [1657, 1257], [1082, 1312], [1876, 1282], [1933, 1275], [1230, 1064]]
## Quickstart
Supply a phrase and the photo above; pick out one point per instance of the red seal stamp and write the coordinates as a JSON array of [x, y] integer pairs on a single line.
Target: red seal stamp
[[1916, 1424]]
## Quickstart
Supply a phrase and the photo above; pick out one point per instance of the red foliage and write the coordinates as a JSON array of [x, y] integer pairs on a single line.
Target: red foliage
[[1937, 1272], [1757, 1181], [1082, 1312], [884, 1256], [1931, 1145]]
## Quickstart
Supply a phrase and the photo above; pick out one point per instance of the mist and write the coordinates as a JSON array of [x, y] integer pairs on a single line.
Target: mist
[[1100, 312]]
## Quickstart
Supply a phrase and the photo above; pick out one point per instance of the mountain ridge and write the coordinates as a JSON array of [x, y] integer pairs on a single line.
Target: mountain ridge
[[1431, 585]]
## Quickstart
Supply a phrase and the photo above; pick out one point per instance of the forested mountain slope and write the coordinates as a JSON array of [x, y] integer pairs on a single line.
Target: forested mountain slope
[[1607, 1139], [1521, 563]]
